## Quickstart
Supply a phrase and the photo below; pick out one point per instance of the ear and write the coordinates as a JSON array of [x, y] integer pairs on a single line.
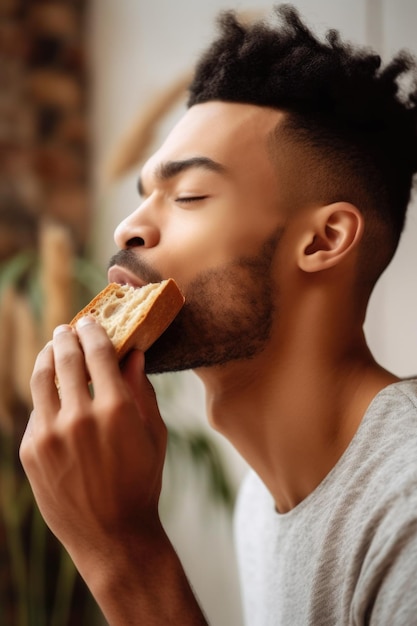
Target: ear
[[332, 233]]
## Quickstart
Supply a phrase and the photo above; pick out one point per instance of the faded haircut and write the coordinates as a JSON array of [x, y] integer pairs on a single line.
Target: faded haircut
[[354, 119]]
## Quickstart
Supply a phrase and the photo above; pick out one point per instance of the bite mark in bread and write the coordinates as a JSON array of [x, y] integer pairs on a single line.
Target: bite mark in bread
[[134, 317]]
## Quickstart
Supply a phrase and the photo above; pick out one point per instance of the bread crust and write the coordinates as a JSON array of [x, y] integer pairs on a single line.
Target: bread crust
[[155, 320]]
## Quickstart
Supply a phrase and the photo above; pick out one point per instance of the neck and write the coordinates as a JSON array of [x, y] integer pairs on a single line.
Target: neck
[[292, 411]]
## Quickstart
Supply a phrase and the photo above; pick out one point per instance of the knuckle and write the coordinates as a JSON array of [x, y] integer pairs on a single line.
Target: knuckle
[[26, 454], [102, 348], [49, 441], [117, 406], [41, 376], [75, 415], [67, 358], [82, 425], [41, 446], [112, 411]]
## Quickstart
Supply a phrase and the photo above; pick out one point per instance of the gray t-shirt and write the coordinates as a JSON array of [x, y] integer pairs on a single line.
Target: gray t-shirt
[[347, 554]]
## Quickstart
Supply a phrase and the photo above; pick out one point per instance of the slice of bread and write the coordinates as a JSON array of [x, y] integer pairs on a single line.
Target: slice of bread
[[134, 317]]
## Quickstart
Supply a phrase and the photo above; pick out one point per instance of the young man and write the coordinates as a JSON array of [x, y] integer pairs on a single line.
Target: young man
[[276, 202]]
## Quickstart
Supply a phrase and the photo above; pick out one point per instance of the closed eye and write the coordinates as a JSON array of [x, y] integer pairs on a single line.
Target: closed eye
[[190, 198]]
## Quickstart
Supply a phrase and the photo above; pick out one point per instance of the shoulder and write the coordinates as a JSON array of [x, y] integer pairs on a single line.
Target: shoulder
[[379, 470], [385, 447], [386, 587], [400, 396]]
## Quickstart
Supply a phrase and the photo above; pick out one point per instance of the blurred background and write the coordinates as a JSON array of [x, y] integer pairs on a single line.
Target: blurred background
[[88, 90]]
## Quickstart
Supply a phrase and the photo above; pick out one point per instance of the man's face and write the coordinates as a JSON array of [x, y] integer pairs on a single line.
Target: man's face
[[211, 219]]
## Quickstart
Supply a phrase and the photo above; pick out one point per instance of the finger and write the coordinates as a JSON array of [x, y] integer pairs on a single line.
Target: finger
[[70, 365], [142, 390], [43, 387], [100, 356]]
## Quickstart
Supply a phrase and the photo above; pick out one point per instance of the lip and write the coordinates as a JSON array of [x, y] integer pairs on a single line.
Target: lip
[[122, 276]]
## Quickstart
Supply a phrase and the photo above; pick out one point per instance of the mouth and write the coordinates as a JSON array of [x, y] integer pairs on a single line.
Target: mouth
[[123, 276]]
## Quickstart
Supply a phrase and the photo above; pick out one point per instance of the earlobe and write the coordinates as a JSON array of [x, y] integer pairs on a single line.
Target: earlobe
[[333, 232]]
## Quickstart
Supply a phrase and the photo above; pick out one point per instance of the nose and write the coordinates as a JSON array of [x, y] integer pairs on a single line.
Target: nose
[[137, 230]]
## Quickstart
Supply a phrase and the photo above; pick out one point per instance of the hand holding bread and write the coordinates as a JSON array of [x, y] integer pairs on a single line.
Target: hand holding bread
[[95, 461]]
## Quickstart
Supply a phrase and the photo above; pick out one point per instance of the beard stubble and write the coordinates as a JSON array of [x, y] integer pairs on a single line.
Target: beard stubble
[[227, 315]]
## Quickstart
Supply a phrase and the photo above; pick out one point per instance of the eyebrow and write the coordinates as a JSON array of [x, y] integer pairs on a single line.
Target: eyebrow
[[170, 169]]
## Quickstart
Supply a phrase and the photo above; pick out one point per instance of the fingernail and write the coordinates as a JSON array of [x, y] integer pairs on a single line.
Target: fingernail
[[85, 321], [63, 328]]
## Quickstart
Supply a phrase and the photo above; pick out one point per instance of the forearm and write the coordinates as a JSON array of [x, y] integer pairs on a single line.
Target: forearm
[[144, 585]]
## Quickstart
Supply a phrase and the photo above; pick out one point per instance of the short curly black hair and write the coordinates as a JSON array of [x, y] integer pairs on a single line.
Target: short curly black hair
[[356, 119]]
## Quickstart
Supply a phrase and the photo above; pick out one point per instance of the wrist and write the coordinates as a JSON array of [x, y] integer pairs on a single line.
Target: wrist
[[141, 580]]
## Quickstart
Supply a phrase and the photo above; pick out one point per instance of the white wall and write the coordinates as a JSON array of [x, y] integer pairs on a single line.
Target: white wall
[[392, 315], [137, 48]]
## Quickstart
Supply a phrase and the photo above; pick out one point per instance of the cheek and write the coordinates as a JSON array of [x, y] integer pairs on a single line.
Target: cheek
[[214, 238], [189, 245]]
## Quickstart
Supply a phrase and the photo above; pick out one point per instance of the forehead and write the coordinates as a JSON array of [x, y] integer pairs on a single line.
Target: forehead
[[226, 132]]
